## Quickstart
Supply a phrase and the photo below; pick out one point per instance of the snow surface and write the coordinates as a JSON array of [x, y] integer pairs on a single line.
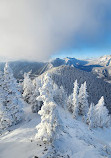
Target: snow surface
[[76, 141]]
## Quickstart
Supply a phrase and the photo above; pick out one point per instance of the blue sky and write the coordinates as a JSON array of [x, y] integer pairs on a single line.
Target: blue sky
[[83, 53]]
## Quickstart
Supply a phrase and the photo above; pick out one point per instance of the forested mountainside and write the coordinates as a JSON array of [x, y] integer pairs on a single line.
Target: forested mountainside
[[96, 87]]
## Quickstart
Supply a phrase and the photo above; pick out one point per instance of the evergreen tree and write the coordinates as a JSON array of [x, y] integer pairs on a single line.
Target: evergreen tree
[[70, 103], [91, 116], [13, 103], [5, 117], [83, 101], [28, 88], [50, 124], [36, 105], [31, 92], [102, 117], [75, 107], [60, 96]]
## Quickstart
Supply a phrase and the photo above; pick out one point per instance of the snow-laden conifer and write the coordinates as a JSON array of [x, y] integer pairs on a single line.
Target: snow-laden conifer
[[13, 103], [36, 105], [75, 107], [28, 87], [82, 100], [70, 103], [5, 117], [60, 97], [50, 125], [102, 117], [30, 92], [91, 116]]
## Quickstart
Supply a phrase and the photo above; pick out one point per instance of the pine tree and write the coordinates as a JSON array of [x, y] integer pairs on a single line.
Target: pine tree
[[59, 96], [70, 103], [31, 92], [83, 101], [91, 116], [75, 107], [13, 103], [50, 125], [28, 88], [36, 105], [47, 89], [102, 117], [5, 117]]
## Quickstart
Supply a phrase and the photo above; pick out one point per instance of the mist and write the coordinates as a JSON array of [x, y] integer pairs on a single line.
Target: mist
[[37, 29]]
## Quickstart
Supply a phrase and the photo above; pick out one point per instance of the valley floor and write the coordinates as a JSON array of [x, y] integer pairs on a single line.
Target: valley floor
[[75, 141]]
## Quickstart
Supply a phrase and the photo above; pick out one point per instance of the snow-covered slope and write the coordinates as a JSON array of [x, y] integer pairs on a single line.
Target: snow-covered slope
[[17, 141], [76, 141]]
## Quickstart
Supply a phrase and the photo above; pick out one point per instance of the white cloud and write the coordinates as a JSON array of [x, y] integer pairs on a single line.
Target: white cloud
[[35, 29]]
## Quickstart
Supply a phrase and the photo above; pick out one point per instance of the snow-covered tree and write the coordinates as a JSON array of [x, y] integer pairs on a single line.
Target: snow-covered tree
[[75, 107], [83, 101], [70, 103], [5, 118], [60, 97], [98, 115], [47, 89], [36, 105], [91, 116], [12, 103], [28, 88], [50, 124], [102, 117], [30, 92]]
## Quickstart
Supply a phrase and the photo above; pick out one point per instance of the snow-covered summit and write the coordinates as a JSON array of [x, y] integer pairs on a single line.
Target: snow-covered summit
[[103, 61], [68, 61]]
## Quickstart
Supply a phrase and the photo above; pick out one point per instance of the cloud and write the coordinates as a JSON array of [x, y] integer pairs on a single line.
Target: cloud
[[36, 29]]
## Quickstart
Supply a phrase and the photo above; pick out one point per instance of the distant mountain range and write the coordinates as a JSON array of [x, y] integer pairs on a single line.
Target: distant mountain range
[[68, 61], [100, 66]]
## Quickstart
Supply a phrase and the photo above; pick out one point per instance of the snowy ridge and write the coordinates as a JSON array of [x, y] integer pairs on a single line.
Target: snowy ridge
[[103, 61], [74, 142], [68, 61]]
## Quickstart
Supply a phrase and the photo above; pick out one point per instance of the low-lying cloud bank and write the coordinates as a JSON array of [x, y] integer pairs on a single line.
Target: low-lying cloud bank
[[36, 29]]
